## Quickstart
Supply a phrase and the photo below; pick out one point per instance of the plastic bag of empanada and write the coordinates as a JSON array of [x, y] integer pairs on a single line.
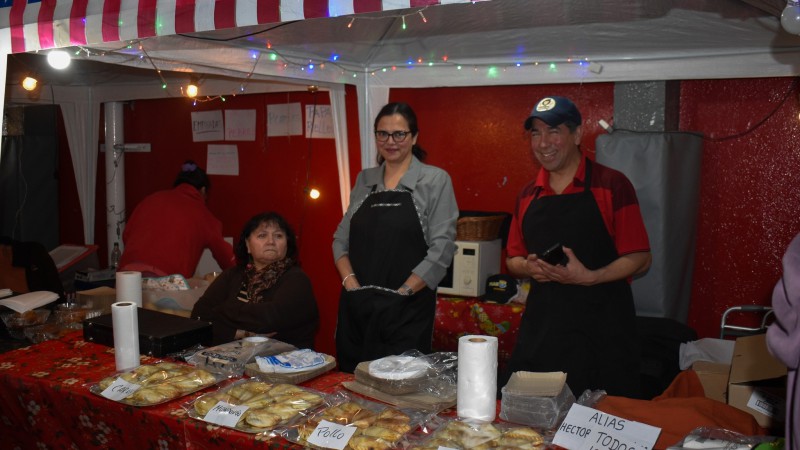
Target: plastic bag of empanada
[[153, 384], [255, 406], [368, 425]]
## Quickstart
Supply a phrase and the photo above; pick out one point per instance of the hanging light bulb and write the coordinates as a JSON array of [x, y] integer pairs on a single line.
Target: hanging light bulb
[[29, 83], [58, 59], [790, 18], [191, 89], [312, 192]]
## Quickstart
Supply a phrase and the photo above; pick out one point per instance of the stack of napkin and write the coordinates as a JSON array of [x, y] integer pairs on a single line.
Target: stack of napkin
[[536, 384]]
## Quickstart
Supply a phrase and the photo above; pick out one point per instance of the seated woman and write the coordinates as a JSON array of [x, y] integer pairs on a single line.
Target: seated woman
[[266, 293]]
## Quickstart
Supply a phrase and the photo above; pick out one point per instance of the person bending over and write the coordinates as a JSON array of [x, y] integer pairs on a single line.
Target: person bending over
[[168, 230]]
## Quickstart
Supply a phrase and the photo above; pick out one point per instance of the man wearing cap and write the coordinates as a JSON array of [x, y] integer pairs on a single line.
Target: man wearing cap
[[580, 316]]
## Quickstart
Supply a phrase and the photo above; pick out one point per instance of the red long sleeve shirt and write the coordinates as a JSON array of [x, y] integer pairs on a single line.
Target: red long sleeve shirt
[[169, 230]]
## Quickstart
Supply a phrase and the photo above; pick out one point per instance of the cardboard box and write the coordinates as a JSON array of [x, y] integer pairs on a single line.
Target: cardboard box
[[159, 333], [714, 378], [175, 302], [754, 381], [757, 382]]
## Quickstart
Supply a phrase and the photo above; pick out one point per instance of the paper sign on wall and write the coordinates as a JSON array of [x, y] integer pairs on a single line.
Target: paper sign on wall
[[589, 429], [284, 120], [222, 160], [240, 124], [207, 126], [319, 121]]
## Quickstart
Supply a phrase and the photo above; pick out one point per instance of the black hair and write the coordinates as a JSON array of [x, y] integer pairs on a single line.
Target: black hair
[[242, 257], [404, 110], [193, 175]]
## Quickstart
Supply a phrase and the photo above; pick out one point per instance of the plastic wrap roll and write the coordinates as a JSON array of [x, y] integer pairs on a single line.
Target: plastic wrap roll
[[477, 377], [125, 322], [129, 287]]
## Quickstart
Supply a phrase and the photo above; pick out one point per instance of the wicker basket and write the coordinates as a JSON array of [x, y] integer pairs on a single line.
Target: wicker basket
[[479, 228]]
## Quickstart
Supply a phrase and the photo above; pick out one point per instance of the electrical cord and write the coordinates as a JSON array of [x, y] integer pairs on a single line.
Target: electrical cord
[[792, 88], [308, 163]]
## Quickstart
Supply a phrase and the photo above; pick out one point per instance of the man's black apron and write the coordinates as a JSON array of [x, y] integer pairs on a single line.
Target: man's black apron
[[589, 332], [386, 243]]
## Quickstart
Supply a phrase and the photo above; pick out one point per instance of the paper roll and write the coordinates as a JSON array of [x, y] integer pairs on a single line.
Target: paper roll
[[125, 322], [129, 287], [477, 377]]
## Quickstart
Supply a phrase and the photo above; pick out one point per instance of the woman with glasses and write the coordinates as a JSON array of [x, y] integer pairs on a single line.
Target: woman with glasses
[[393, 246]]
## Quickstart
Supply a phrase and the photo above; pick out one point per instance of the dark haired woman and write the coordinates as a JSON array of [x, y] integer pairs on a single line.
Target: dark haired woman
[[393, 246], [169, 229], [266, 293]]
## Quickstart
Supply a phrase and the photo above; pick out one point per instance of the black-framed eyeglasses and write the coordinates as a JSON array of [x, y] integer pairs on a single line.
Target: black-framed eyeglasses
[[397, 136]]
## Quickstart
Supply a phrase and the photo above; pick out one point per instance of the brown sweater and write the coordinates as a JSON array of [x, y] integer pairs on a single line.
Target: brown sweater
[[289, 308]]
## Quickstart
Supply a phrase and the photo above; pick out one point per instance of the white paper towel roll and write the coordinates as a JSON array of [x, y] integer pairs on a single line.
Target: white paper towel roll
[[125, 322], [477, 377], [129, 287]]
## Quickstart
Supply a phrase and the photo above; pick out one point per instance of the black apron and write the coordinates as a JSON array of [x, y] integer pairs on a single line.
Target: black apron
[[386, 243], [589, 332]]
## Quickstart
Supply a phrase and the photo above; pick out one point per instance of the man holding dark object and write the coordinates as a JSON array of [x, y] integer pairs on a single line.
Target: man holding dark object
[[578, 233]]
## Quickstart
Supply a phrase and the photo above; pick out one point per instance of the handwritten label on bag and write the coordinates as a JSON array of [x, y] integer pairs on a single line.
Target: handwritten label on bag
[[223, 413], [120, 389], [331, 435], [589, 429]]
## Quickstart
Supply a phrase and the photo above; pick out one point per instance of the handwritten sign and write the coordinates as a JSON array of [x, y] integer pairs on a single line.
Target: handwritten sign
[[120, 389], [222, 160], [284, 120], [207, 126], [319, 121], [331, 435], [224, 413], [589, 429], [240, 124]]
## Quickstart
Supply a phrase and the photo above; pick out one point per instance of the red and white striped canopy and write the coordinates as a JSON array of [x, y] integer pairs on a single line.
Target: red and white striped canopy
[[43, 24]]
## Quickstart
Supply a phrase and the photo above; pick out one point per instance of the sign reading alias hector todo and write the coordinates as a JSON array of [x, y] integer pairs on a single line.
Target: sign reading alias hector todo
[[589, 429]]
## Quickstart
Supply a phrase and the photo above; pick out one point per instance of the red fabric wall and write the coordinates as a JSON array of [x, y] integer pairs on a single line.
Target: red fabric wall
[[748, 200]]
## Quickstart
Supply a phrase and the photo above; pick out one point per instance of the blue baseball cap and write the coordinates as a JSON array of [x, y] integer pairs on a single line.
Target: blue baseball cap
[[554, 111]]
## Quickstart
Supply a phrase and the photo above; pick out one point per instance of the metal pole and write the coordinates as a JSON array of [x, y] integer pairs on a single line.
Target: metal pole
[[115, 174]]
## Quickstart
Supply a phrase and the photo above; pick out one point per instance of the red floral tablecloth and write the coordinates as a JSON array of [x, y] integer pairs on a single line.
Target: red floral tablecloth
[[456, 317], [45, 403]]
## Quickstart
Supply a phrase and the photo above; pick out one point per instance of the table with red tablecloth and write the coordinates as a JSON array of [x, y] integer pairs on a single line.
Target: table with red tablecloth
[[45, 403], [456, 317]]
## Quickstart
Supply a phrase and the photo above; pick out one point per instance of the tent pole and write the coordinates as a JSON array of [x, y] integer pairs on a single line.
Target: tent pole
[[3, 70], [115, 174]]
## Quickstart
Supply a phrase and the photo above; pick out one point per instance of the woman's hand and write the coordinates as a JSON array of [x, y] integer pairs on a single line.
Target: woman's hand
[[351, 282]]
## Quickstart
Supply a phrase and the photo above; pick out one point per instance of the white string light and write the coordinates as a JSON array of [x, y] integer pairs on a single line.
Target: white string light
[[790, 18], [303, 67]]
